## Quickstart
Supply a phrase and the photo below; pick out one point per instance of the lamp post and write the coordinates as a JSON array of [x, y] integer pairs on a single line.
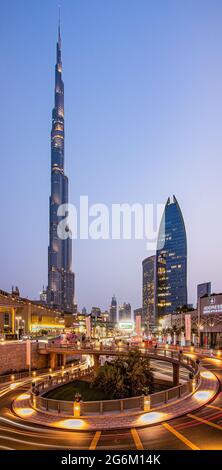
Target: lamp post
[[77, 406], [199, 329], [17, 322], [211, 325], [146, 403]]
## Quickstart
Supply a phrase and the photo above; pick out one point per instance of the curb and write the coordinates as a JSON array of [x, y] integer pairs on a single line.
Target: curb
[[113, 421]]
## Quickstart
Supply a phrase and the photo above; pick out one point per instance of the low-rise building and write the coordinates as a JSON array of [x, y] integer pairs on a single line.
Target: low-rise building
[[20, 316], [205, 322]]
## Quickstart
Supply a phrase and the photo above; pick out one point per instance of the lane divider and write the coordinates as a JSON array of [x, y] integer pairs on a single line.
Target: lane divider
[[95, 440], [137, 440], [214, 407], [180, 436], [205, 421]]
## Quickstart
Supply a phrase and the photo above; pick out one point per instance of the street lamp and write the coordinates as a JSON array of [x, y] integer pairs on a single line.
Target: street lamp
[[77, 405], [17, 319], [146, 403], [211, 325], [199, 329]]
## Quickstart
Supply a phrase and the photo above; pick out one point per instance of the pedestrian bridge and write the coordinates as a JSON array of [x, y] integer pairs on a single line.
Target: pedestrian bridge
[[58, 352]]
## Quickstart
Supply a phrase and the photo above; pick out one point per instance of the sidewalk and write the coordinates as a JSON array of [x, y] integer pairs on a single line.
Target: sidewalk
[[207, 389]]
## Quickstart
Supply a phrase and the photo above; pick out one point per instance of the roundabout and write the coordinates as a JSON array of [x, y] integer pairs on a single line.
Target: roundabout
[[174, 429], [125, 413]]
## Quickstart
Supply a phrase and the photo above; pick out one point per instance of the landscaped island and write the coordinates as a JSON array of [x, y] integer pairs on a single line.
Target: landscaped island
[[122, 378]]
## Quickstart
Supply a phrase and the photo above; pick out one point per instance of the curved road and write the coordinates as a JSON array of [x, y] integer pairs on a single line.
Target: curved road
[[200, 430]]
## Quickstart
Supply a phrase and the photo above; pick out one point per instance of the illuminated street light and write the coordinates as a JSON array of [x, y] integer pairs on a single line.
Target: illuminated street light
[[203, 395], [146, 403], [24, 412], [76, 409], [70, 424], [206, 374], [151, 418]]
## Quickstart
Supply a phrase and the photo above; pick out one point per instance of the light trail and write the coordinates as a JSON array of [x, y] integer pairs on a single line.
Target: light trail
[[17, 434], [20, 441]]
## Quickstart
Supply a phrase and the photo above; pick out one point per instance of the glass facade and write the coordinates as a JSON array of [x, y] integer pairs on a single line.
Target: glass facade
[[203, 289], [125, 312], [171, 260], [149, 292], [113, 310]]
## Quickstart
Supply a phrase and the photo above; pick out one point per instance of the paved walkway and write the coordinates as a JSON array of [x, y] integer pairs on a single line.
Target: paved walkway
[[207, 389]]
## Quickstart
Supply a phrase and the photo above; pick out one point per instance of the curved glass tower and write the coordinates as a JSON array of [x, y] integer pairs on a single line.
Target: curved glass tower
[[171, 260], [60, 290]]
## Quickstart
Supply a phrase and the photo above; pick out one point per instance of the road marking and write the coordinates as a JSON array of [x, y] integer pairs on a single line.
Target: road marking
[[214, 407], [95, 440], [20, 441], [180, 437], [6, 448], [205, 421], [136, 439]]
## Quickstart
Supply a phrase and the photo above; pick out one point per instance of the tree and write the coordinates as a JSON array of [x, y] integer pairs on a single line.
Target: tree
[[126, 377]]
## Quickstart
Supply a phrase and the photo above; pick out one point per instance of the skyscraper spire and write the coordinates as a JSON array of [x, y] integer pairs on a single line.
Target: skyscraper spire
[[60, 290], [59, 28], [58, 56]]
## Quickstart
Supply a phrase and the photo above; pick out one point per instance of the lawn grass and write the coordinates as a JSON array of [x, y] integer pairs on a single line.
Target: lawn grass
[[67, 392]]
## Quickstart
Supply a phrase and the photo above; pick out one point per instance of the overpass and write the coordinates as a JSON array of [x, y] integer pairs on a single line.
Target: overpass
[[58, 352]]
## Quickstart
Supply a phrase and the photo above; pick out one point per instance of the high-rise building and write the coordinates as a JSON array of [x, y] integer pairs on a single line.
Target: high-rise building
[[136, 312], [149, 292], [96, 311], [60, 291], [125, 312], [171, 260], [43, 296], [203, 289], [113, 311]]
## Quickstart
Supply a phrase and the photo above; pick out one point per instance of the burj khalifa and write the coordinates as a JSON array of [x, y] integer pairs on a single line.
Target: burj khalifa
[[61, 279]]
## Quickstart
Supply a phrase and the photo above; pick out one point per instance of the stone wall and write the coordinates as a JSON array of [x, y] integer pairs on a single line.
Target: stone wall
[[13, 357]]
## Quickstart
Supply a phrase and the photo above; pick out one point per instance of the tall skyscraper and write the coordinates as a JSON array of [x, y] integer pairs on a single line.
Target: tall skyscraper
[[203, 289], [125, 312], [60, 290], [113, 311], [149, 292], [171, 260]]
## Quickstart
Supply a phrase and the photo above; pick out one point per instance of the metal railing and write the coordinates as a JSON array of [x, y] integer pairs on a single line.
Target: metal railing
[[21, 375], [125, 405], [13, 376]]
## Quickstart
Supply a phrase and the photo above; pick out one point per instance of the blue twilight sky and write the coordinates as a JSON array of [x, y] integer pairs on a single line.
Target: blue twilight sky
[[143, 116]]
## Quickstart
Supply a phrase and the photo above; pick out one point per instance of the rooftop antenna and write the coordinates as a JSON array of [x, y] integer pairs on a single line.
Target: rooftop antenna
[[59, 28]]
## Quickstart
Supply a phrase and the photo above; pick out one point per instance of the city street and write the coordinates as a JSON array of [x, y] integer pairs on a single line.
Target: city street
[[199, 430]]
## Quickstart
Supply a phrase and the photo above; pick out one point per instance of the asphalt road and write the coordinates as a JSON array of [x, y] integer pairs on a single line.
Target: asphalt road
[[200, 430]]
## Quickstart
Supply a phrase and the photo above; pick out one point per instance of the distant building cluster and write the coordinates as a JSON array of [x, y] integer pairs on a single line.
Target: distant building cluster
[[21, 317]]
